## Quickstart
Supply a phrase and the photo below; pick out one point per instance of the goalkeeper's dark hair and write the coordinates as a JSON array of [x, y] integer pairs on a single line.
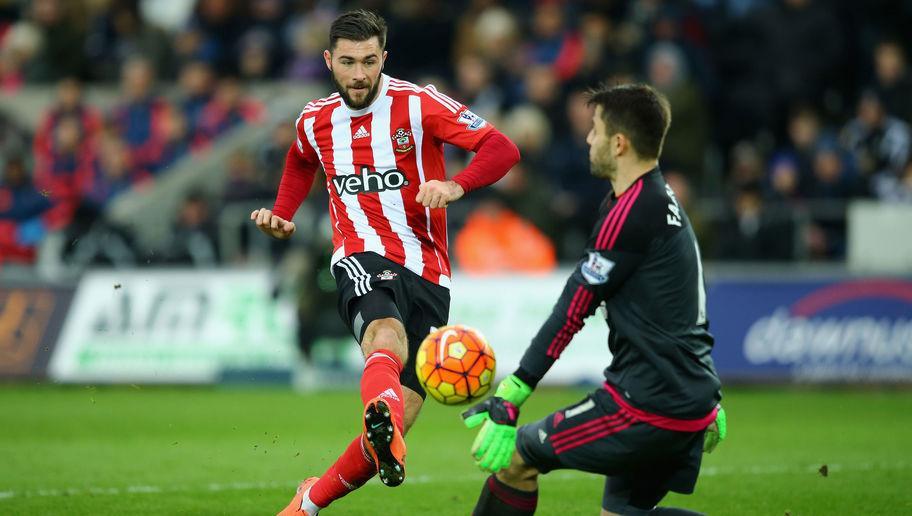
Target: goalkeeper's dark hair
[[637, 111], [360, 25]]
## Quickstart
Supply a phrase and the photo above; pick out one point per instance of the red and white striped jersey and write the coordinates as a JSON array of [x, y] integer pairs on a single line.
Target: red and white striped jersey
[[376, 157]]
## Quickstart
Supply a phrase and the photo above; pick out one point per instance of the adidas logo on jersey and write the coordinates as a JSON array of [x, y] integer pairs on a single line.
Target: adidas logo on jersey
[[369, 181], [389, 393], [361, 133]]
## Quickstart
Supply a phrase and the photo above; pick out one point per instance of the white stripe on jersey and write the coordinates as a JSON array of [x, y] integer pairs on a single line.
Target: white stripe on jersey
[[319, 104], [391, 200], [309, 133], [298, 134], [418, 135], [453, 105], [343, 159]]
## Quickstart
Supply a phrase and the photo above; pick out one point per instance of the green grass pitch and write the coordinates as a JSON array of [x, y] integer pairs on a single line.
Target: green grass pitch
[[131, 450]]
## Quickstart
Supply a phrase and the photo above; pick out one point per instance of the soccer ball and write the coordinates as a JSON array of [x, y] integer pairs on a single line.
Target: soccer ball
[[455, 365]]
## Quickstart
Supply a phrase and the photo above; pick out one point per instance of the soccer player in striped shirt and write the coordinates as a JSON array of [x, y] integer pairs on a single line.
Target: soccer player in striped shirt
[[646, 428], [380, 143]]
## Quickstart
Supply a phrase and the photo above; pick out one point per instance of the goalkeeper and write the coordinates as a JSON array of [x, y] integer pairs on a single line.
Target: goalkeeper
[[658, 411]]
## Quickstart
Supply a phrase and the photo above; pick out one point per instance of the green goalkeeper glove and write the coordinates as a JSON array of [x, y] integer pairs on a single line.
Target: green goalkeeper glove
[[715, 432], [494, 444]]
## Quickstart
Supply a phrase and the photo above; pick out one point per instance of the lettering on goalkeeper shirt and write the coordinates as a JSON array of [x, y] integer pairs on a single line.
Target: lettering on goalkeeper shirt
[[370, 181]]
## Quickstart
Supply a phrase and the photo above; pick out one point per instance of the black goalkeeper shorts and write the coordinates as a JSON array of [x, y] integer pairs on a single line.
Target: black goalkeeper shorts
[[642, 462], [372, 287]]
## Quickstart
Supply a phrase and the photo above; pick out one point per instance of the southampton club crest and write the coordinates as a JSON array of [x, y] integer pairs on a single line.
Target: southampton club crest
[[387, 275], [403, 140]]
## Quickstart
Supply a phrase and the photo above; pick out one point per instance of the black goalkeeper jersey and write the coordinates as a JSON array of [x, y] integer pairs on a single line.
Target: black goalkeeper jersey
[[642, 261]]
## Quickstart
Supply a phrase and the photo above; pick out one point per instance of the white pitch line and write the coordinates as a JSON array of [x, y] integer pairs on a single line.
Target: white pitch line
[[561, 476]]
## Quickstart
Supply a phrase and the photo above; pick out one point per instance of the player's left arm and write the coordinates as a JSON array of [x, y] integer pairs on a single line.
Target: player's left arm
[[620, 247], [453, 123]]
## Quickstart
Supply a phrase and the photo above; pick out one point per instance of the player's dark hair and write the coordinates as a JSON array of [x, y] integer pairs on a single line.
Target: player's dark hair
[[637, 111], [360, 25]]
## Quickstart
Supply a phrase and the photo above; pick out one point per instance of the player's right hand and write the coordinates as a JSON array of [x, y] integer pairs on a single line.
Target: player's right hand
[[715, 432], [494, 444], [272, 225]]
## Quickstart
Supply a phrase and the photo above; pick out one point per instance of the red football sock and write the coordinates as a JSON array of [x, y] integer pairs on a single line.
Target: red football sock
[[350, 472], [381, 378]]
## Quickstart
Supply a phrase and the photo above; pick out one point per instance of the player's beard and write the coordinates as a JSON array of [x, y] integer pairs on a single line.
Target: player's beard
[[603, 166], [343, 91]]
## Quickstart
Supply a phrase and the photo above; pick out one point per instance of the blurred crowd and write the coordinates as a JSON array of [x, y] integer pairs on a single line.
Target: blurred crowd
[[782, 110]]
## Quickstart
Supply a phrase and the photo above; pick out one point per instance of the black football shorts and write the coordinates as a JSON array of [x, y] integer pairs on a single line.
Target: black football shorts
[[642, 462], [372, 287]]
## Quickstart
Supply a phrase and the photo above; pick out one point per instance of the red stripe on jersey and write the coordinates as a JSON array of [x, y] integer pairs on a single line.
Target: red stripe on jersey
[[574, 323], [415, 213], [565, 334], [565, 435], [610, 221], [371, 205], [322, 130], [667, 423], [634, 193], [605, 432], [613, 221]]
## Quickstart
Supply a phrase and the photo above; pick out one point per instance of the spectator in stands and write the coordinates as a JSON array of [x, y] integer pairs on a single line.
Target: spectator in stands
[[211, 35], [271, 157], [197, 84], [551, 42], [497, 240], [602, 51], [61, 51], [256, 56], [893, 79], [308, 35], [244, 183], [542, 89], [784, 183], [118, 33], [525, 189], [18, 44], [879, 141], [895, 189], [834, 175], [65, 170], [804, 133], [753, 232], [261, 50], [492, 32], [228, 108], [140, 116], [474, 80], [22, 211], [746, 164], [834, 180], [688, 135], [112, 175], [69, 104], [802, 45], [178, 141], [573, 194], [194, 239]]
